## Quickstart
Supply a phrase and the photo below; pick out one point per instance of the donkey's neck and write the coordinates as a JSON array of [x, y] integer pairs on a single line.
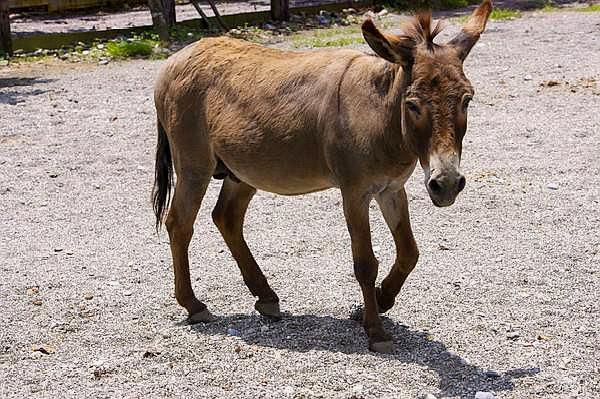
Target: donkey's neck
[[397, 81]]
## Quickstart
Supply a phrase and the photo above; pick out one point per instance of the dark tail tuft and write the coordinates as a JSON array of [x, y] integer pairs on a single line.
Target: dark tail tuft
[[163, 176]]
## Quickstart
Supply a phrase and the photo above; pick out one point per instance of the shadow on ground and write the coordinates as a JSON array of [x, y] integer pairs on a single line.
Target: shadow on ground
[[11, 97], [457, 377]]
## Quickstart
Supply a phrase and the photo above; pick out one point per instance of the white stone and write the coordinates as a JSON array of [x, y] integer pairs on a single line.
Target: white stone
[[484, 395]]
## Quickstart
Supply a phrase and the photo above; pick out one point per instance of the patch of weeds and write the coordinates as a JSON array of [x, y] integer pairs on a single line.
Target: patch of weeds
[[503, 14], [130, 49], [325, 33], [549, 7], [589, 8], [318, 42], [184, 34]]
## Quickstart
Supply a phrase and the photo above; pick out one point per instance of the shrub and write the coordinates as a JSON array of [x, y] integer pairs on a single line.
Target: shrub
[[127, 49]]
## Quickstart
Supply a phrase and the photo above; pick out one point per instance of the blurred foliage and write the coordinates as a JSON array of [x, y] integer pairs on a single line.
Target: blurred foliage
[[501, 14], [129, 49]]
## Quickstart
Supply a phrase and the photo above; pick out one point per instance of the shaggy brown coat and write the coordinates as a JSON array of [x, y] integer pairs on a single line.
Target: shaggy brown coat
[[297, 122]]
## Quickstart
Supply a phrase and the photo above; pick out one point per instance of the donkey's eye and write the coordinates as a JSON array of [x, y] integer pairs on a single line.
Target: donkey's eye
[[466, 100], [413, 107]]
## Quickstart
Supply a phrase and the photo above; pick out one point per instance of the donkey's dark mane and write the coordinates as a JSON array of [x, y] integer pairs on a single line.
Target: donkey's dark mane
[[420, 30]]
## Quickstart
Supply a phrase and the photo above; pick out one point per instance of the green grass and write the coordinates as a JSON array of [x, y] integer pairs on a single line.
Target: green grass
[[130, 49], [317, 42], [549, 8], [589, 8], [502, 14]]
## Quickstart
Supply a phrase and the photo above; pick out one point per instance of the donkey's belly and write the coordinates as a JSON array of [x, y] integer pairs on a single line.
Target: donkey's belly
[[281, 176], [287, 168]]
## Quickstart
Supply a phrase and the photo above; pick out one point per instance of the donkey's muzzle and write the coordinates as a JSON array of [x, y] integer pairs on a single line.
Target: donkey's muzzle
[[444, 187]]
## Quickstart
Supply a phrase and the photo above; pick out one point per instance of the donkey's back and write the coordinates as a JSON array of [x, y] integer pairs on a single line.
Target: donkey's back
[[263, 114]]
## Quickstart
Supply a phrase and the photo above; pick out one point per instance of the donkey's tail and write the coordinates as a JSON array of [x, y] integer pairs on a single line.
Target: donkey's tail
[[163, 176]]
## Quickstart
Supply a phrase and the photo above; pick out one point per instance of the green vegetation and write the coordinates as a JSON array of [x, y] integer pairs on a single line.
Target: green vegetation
[[316, 42], [502, 14], [549, 7], [130, 49], [589, 8]]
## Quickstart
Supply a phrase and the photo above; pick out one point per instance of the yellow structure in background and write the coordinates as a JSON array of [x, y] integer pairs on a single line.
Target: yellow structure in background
[[61, 5]]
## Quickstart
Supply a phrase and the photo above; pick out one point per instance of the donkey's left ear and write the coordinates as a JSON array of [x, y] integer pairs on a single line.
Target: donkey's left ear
[[394, 48], [470, 32]]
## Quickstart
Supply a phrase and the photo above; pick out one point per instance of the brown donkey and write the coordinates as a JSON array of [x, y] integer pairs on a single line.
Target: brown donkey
[[296, 122]]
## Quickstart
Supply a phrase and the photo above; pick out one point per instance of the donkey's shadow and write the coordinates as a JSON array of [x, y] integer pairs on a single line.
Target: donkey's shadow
[[302, 333]]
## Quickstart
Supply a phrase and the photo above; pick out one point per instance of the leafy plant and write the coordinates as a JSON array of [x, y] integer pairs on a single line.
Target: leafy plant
[[317, 42], [589, 8], [130, 48], [502, 14]]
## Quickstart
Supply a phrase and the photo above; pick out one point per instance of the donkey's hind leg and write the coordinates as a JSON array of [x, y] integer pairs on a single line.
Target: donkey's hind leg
[[189, 191], [228, 215]]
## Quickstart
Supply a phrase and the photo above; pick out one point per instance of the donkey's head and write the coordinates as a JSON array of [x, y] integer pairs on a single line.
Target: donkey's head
[[436, 96]]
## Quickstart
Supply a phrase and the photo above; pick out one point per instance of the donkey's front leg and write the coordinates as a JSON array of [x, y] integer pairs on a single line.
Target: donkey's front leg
[[394, 207], [356, 210]]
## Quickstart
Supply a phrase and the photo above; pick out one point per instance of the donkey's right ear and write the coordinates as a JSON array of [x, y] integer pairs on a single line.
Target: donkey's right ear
[[396, 49]]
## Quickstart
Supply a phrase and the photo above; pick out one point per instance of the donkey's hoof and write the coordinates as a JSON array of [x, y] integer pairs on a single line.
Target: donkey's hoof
[[268, 309], [202, 317], [382, 346]]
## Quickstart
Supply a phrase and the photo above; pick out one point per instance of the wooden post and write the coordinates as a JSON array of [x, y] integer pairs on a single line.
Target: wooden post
[[5, 38], [280, 10]]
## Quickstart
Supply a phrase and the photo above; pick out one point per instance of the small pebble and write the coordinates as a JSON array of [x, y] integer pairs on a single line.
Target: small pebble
[[527, 77], [512, 335], [88, 296], [233, 332], [358, 388], [552, 186], [429, 396], [288, 390], [492, 373], [484, 395]]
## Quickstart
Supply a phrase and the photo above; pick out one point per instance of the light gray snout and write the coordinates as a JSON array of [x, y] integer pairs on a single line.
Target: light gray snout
[[444, 179], [444, 187]]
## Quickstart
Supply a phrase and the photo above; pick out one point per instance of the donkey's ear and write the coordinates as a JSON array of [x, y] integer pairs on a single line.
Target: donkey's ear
[[470, 32], [396, 49]]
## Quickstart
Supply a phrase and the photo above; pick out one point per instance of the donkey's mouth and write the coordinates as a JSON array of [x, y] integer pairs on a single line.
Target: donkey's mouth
[[442, 202]]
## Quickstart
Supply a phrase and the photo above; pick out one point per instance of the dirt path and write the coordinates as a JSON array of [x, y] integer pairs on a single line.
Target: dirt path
[[505, 298]]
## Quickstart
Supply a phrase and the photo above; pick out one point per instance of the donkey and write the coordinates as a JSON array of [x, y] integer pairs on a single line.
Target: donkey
[[297, 122]]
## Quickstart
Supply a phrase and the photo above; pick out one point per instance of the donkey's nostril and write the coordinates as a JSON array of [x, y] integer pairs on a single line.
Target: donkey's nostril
[[434, 186], [461, 183]]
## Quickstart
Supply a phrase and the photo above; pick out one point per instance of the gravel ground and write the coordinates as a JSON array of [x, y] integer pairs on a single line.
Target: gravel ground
[[505, 297]]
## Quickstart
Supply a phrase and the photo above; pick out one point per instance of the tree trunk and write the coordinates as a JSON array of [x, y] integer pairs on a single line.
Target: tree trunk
[[5, 39], [158, 20], [168, 7], [280, 10]]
